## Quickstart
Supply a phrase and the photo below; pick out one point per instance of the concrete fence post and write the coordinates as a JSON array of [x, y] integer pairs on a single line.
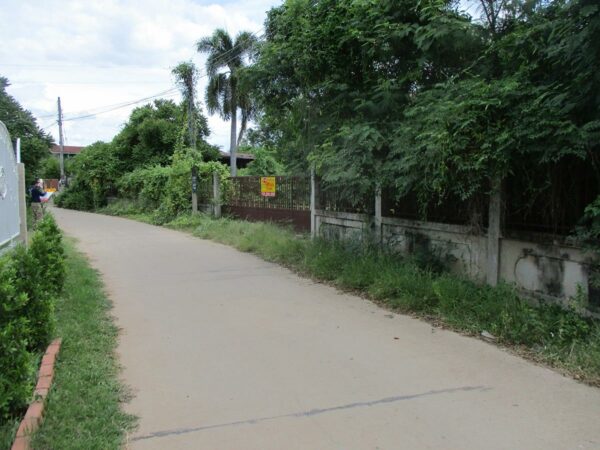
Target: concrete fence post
[[314, 203], [494, 234], [22, 203], [216, 195], [378, 215], [194, 190]]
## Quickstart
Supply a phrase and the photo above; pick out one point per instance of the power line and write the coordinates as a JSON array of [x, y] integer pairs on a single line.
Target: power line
[[87, 66], [40, 83], [119, 106], [85, 116], [109, 108], [49, 125]]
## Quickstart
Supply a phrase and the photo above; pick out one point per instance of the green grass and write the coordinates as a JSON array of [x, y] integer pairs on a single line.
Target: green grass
[[7, 433], [547, 333], [84, 406]]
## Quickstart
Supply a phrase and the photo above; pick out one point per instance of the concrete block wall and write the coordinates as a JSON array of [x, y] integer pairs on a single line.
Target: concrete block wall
[[539, 267]]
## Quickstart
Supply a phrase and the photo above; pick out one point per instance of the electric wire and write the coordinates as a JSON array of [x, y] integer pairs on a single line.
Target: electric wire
[[222, 59]]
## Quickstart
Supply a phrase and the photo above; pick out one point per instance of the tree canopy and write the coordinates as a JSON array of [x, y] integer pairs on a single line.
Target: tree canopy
[[35, 142], [224, 93], [152, 132], [417, 97]]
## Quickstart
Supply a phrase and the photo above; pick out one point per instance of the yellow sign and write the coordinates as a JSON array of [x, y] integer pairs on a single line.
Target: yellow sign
[[267, 186]]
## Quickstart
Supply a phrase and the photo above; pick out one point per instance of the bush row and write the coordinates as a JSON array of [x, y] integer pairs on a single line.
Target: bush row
[[30, 280], [164, 190]]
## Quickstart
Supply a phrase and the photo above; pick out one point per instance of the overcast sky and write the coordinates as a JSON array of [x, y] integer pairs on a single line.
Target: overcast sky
[[97, 53]]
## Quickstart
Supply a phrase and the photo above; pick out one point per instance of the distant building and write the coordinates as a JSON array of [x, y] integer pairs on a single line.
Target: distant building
[[70, 151], [241, 159]]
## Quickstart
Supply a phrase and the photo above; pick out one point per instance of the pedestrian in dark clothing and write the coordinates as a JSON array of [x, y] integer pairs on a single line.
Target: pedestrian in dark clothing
[[37, 192]]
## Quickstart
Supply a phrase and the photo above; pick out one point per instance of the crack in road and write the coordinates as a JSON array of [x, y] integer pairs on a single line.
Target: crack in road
[[310, 413]]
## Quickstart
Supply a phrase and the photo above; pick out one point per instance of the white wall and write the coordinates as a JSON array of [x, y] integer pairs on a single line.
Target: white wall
[[9, 192]]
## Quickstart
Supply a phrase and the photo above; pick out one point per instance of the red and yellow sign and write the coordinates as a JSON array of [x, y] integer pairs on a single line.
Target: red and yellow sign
[[267, 186]]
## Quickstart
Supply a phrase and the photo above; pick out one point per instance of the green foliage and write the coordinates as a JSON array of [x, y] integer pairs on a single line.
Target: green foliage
[[225, 94], [588, 234], [166, 191], [146, 184], [152, 134], [95, 171], [46, 247], [336, 102], [16, 363], [35, 143], [140, 158], [416, 97], [30, 280], [186, 77], [41, 275], [50, 168], [265, 162]]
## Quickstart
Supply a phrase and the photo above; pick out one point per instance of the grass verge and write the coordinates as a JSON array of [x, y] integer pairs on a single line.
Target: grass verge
[[84, 405], [547, 333], [7, 433]]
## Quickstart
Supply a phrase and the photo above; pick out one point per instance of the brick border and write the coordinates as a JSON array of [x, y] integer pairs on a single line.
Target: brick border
[[33, 416]]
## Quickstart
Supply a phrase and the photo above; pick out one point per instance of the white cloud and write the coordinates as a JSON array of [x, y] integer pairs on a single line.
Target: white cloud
[[103, 52]]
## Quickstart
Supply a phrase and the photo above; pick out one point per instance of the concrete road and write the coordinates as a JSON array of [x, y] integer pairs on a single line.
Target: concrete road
[[226, 351]]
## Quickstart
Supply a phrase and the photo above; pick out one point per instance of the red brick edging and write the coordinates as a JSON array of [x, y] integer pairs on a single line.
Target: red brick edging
[[33, 416]]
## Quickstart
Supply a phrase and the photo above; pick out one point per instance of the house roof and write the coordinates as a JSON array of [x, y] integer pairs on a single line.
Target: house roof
[[68, 149], [246, 156]]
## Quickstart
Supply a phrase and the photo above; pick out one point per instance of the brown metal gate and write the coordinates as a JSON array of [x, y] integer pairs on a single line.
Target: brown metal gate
[[290, 205]]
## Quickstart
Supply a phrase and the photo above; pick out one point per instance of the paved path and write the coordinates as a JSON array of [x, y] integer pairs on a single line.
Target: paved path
[[226, 351]]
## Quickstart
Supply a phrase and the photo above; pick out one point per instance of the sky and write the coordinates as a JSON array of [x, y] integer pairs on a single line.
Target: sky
[[99, 53]]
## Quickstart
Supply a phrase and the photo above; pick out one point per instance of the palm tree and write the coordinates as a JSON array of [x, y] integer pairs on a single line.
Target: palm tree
[[185, 76], [223, 93]]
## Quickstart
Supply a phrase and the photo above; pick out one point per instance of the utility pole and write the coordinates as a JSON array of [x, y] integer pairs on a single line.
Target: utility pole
[[61, 143]]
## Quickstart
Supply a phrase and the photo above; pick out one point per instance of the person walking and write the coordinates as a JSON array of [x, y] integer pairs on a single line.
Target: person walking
[[37, 192]]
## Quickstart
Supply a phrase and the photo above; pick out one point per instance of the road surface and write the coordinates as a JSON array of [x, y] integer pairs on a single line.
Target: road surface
[[226, 351]]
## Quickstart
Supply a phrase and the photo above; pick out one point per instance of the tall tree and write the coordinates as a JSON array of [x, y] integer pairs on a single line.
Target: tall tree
[[224, 95], [152, 132], [186, 75], [35, 143]]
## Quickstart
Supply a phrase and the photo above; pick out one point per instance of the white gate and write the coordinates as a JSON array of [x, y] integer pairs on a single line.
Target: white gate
[[10, 221]]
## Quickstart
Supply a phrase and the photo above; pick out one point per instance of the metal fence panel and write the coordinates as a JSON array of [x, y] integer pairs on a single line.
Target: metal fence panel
[[291, 203], [291, 193]]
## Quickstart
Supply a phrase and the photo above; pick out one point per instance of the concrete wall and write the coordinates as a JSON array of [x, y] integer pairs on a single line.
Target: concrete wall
[[10, 193], [549, 268], [539, 266]]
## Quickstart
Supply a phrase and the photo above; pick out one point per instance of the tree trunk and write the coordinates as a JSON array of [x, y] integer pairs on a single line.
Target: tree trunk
[[233, 143], [191, 122], [242, 129]]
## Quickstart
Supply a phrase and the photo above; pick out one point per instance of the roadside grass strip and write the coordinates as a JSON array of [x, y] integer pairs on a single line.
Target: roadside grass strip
[[84, 406]]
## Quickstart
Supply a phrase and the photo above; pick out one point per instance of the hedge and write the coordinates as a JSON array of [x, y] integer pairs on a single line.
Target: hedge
[[30, 280]]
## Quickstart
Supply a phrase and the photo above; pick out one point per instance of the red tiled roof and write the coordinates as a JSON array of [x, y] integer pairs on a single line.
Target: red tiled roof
[[69, 149]]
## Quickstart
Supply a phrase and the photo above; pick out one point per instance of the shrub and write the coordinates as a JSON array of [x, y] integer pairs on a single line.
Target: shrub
[[47, 248], [75, 197], [16, 365], [145, 185], [40, 276], [30, 280]]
